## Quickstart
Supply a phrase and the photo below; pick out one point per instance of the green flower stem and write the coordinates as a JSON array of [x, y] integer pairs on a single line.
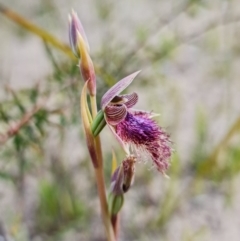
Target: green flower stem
[[100, 180], [115, 223]]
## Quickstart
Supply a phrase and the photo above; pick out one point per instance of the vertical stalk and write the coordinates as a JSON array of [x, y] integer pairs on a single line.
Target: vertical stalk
[[115, 223], [100, 180]]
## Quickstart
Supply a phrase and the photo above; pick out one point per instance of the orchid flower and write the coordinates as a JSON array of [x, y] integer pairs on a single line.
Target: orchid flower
[[135, 130]]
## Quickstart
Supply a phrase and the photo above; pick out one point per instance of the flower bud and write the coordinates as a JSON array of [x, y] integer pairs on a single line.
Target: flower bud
[[121, 181], [80, 47], [128, 170], [123, 177], [86, 65], [74, 27]]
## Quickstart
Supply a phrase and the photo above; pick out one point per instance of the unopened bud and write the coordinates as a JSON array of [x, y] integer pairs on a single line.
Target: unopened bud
[[123, 177], [74, 27], [121, 181], [128, 170], [86, 65]]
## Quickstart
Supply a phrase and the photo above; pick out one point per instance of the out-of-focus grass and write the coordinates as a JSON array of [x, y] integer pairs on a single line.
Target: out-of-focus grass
[[172, 197], [36, 30], [59, 208]]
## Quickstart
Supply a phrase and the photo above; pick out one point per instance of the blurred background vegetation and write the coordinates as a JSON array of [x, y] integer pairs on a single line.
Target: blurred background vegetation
[[189, 53]]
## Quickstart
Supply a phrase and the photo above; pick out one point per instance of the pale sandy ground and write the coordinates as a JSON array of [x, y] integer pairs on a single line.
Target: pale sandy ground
[[23, 62]]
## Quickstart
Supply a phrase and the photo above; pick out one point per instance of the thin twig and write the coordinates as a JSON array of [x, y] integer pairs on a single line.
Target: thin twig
[[14, 129]]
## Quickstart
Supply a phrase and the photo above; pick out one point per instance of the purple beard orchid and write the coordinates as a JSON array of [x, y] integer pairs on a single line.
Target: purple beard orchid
[[135, 130]]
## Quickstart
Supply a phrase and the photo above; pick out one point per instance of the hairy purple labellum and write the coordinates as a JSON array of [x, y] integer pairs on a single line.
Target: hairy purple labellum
[[135, 128], [144, 133]]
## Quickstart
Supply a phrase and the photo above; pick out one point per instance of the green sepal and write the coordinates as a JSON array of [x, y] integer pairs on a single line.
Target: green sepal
[[98, 123], [115, 203]]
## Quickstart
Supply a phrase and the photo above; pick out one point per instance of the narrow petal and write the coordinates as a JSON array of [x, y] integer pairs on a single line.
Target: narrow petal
[[125, 146], [117, 88], [132, 99], [115, 114]]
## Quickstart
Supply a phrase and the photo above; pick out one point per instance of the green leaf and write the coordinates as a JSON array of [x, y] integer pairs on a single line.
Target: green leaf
[[98, 123]]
